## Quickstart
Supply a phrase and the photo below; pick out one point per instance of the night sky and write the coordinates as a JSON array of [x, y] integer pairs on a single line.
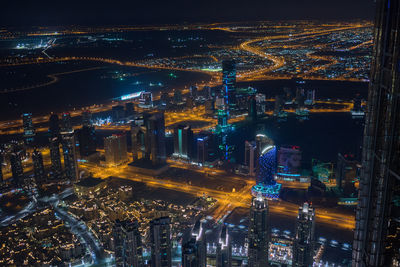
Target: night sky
[[101, 12]]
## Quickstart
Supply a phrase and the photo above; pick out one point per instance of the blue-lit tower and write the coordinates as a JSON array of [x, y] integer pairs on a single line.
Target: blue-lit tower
[[266, 169], [229, 83]]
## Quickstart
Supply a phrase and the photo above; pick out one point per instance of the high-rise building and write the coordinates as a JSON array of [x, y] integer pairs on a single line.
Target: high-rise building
[[86, 118], [224, 249], [279, 102], [160, 241], [117, 113], [16, 167], [189, 254], [193, 91], [303, 243], [209, 107], [127, 244], [115, 148], [87, 141], [250, 156], [66, 124], [155, 134], [203, 146], [229, 83], [29, 130], [377, 234], [138, 142], [177, 96], [146, 100], [347, 170], [259, 233], [198, 234], [289, 162], [129, 109], [55, 157], [310, 97], [252, 108], [183, 142], [70, 161], [1, 167], [38, 167], [261, 103], [54, 126]]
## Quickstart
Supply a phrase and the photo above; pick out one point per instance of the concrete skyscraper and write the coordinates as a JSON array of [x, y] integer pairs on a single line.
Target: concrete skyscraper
[[86, 118], [38, 167], [127, 244], [189, 254], [303, 244], [259, 233], [160, 241], [377, 234]]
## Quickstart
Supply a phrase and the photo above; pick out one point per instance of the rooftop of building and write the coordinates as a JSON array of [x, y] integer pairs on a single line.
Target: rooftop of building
[[90, 182]]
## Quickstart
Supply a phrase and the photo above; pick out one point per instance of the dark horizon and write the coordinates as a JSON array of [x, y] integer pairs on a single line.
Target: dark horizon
[[102, 13]]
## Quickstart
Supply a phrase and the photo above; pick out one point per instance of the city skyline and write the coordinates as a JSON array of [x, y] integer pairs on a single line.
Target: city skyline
[[271, 142]]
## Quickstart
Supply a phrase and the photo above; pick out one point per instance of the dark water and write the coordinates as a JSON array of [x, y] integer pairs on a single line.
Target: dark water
[[322, 136]]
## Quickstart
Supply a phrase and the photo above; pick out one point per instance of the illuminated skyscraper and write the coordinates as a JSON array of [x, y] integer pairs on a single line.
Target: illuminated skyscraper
[[377, 233], [117, 113], [250, 156], [229, 83], [252, 108], [127, 244], [55, 157], [155, 135], [29, 131], [183, 142], [86, 118], [70, 161], [115, 148], [66, 124], [303, 244], [160, 241], [259, 233], [138, 142], [198, 234], [224, 249], [38, 167], [16, 168], [54, 126], [189, 254]]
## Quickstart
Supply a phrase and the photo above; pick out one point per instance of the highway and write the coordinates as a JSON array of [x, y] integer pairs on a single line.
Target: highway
[[227, 201]]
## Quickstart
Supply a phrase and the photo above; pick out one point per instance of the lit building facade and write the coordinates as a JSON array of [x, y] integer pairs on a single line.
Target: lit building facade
[[29, 130], [303, 244], [250, 156], [229, 83], [55, 157], [224, 249], [160, 241], [127, 244], [183, 142], [69, 152], [259, 233], [115, 148]]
